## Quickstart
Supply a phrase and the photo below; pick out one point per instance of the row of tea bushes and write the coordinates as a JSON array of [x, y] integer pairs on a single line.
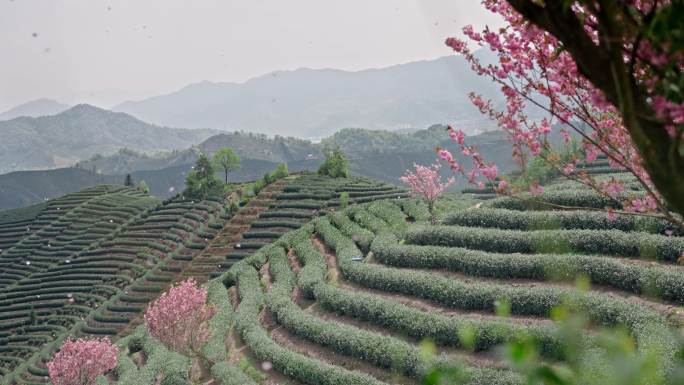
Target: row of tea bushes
[[548, 220], [606, 242]]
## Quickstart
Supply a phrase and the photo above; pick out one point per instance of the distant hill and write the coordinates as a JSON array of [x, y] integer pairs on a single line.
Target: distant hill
[[390, 166], [80, 132], [23, 188], [249, 146], [259, 146], [379, 154], [314, 103], [360, 142], [35, 108]]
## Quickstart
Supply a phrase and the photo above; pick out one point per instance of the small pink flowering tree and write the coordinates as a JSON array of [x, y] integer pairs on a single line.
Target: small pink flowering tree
[[79, 362], [179, 318], [427, 183], [534, 69]]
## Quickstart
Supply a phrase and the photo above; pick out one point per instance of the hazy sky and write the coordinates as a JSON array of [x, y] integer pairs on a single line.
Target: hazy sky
[[104, 52]]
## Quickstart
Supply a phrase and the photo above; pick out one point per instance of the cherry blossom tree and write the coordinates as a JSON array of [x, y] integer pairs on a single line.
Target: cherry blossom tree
[[79, 362], [534, 68], [427, 183], [179, 318], [632, 52]]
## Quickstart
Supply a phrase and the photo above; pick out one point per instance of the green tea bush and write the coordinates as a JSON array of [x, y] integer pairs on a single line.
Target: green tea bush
[[261, 234], [295, 365], [367, 220], [160, 362], [443, 330], [654, 281], [546, 220], [220, 324], [575, 198], [303, 195], [383, 351], [336, 164], [227, 374], [607, 242], [360, 235], [280, 172], [346, 250], [314, 266], [646, 324], [284, 214], [344, 199], [271, 224]]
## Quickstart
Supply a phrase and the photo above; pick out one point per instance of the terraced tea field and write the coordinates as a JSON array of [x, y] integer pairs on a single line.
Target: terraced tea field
[[308, 292], [273, 214], [348, 298], [88, 263]]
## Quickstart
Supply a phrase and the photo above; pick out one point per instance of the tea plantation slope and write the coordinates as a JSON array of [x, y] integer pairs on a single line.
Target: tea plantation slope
[[133, 267], [343, 301], [302, 198], [104, 287], [92, 270], [16, 224], [39, 298]]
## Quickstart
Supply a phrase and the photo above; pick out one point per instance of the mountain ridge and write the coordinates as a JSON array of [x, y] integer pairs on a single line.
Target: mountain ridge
[[34, 108], [317, 102], [30, 143]]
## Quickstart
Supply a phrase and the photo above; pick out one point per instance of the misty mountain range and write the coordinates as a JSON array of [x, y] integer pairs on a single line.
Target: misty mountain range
[[86, 145], [316, 103], [28, 143], [379, 154], [34, 109]]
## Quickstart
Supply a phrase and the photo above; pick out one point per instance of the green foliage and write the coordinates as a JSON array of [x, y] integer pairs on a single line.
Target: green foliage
[[280, 172], [298, 366], [161, 362], [609, 242], [646, 324], [258, 186], [384, 351], [175, 379], [613, 360], [220, 323], [226, 160], [654, 281], [359, 141], [201, 183], [541, 220], [227, 374], [547, 200], [143, 188], [344, 199], [336, 164], [542, 169], [233, 207]]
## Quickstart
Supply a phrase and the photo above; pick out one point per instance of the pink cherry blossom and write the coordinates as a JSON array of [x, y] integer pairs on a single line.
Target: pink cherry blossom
[[79, 362], [446, 155], [179, 318], [533, 70], [489, 172], [503, 185], [426, 182], [536, 189], [568, 169]]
